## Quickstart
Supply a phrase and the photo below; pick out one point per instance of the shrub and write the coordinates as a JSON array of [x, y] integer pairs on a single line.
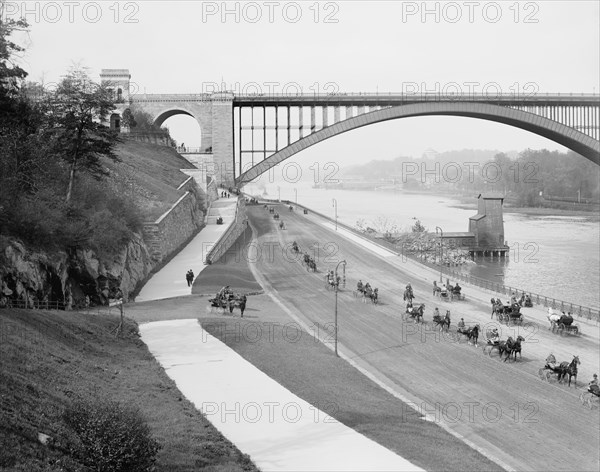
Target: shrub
[[111, 437]]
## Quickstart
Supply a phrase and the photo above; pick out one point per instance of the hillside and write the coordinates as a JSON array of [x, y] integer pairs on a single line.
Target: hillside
[[150, 174], [50, 359]]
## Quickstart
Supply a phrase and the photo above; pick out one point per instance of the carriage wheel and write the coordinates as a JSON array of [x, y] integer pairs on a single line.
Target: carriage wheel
[[542, 374], [583, 398], [550, 378], [561, 329]]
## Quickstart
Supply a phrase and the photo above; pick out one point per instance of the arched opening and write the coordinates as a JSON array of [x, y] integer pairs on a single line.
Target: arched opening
[[115, 122], [119, 94], [183, 128]]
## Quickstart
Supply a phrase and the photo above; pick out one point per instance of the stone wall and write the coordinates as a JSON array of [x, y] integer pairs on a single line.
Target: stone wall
[[231, 235], [173, 228]]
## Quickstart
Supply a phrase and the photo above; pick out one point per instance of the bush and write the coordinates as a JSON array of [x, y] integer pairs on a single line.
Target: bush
[[111, 437]]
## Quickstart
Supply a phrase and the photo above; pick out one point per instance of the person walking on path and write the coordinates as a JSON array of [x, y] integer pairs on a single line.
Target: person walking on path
[[243, 304], [189, 277]]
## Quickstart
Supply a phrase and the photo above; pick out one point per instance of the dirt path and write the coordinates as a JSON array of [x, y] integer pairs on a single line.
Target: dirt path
[[502, 408]]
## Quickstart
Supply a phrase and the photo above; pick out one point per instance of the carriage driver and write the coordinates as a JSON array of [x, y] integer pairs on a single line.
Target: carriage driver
[[359, 286], [461, 323], [551, 361], [436, 312], [593, 386], [495, 337]]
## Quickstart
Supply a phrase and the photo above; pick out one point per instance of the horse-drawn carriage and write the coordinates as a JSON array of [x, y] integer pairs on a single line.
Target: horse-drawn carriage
[[275, 216], [470, 332], [507, 313], [309, 262], [366, 292], [561, 370], [448, 292], [590, 396], [442, 322], [227, 301], [415, 313], [509, 346], [562, 324]]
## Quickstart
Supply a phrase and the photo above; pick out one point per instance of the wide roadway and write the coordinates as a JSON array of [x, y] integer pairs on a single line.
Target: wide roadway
[[503, 409]]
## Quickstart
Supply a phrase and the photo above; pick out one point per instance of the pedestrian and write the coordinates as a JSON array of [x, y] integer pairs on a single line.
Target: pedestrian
[[188, 278], [243, 305], [191, 276]]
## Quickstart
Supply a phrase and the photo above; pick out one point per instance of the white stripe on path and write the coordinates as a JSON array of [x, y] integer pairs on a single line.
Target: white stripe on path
[[280, 431]]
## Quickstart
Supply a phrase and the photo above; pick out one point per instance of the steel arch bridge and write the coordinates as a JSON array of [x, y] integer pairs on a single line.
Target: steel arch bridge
[[570, 120]]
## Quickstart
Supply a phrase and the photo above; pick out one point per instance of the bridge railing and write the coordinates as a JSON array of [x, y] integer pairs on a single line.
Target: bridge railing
[[581, 311], [434, 96]]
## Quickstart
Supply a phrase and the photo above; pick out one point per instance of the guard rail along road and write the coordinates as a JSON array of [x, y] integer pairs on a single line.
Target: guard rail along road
[[580, 311]]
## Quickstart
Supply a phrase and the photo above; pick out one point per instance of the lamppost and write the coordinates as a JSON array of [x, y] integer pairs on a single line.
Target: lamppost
[[336, 303], [335, 206], [441, 249], [296, 192]]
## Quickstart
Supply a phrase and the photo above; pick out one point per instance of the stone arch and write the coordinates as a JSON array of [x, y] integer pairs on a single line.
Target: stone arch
[[165, 114], [569, 137], [115, 121]]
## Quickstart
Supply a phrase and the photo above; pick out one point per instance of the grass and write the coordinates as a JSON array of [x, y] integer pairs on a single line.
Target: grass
[[310, 370], [49, 359], [150, 174]]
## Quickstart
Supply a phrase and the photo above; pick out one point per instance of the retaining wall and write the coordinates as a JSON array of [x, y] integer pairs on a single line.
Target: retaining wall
[[173, 228]]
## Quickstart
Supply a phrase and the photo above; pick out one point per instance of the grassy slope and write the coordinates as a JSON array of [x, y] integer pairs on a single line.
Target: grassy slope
[[49, 358], [152, 173]]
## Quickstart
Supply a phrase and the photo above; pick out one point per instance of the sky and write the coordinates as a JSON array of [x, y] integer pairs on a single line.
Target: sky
[[343, 46]]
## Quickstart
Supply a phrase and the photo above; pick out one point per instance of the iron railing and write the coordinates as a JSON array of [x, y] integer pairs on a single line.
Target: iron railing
[[581, 311]]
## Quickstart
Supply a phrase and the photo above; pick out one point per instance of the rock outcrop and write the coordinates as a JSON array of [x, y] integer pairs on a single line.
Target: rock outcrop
[[67, 280]]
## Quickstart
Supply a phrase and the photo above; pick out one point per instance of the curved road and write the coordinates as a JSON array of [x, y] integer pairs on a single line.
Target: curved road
[[501, 408]]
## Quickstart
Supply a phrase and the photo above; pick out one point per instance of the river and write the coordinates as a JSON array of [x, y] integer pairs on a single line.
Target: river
[[556, 256]]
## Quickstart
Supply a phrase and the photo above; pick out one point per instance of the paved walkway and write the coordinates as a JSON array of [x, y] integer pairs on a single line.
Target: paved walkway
[[170, 280], [280, 431]]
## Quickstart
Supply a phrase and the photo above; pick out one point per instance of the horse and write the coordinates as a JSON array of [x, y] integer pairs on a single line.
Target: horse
[[553, 319], [436, 290], [441, 322], [569, 369], [367, 293], [295, 248], [472, 334], [281, 225], [512, 347], [375, 296], [415, 312], [312, 265], [408, 294]]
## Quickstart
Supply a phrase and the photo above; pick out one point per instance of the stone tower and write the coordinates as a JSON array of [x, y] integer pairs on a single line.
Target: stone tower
[[488, 224]]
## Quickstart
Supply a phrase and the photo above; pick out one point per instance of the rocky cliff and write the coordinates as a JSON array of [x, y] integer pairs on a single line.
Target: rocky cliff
[[62, 279]]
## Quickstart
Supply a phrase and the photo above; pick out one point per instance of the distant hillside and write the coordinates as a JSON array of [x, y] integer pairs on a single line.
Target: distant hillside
[[150, 174], [381, 169]]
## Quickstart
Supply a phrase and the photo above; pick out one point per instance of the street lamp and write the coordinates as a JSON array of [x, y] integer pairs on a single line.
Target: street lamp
[[335, 206], [441, 249], [296, 192], [336, 303]]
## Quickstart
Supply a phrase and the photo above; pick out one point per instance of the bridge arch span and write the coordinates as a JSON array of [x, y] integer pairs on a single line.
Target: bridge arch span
[[164, 115], [562, 134]]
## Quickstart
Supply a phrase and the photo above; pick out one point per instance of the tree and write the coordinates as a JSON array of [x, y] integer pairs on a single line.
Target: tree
[[11, 74], [418, 227], [78, 109]]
